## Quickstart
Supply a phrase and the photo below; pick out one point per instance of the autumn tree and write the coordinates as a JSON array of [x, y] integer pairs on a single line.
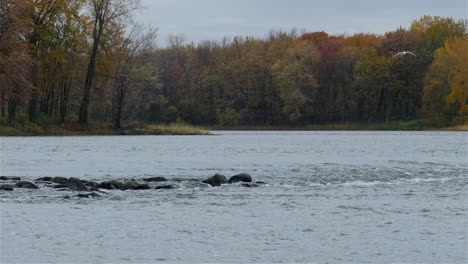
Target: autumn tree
[[376, 78], [445, 86], [130, 53], [56, 41], [295, 77], [104, 13], [15, 60]]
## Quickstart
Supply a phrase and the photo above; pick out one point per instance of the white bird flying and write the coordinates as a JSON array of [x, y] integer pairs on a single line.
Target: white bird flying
[[404, 53]]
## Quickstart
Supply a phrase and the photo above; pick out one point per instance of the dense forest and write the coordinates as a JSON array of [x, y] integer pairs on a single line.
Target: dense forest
[[84, 61]]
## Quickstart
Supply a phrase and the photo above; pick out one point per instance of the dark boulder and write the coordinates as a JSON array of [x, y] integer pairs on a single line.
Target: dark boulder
[[10, 178], [249, 185], [155, 179], [107, 186], [44, 179], [113, 185], [6, 187], [133, 185], [91, 184], [216, 180], [26, 185], [60, 180], [243, 177], [75, 184], [88, 195], [167, 187]]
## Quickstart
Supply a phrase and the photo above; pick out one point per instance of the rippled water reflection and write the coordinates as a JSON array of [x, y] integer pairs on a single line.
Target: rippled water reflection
[[331, 197]]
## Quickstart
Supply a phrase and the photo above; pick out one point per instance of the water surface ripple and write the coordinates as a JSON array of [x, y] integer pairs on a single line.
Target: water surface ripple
[[378, 197]]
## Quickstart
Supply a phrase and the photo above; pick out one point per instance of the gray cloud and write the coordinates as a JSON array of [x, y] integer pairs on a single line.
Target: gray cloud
[[201, 20]]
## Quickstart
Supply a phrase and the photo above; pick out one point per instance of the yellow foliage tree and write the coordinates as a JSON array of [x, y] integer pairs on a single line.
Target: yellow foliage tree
[[446, 91]]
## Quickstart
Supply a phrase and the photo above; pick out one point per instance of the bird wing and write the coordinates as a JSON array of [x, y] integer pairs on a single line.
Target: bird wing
[[403, 53]]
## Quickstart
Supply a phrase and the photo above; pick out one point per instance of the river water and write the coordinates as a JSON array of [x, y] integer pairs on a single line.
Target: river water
[[331, 197]]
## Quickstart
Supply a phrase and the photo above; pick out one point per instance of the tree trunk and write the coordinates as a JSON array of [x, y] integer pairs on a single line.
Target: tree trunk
[[118, 107], [34, 106], [65, 94], [12, 108], [3, 104], [388, 110], [83, 115]]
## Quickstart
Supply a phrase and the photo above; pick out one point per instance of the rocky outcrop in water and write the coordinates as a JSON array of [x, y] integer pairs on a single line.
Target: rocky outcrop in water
[[133, 185], [6, 187], [167, 187], [249, 185], [88, 195], [60, 180], [216, 180], [91, 189], [123, 186], [10, 178], [44, 179], [243, 177], [92, 185], [155, 179], [75, 184], [111, 185], [26, 185]]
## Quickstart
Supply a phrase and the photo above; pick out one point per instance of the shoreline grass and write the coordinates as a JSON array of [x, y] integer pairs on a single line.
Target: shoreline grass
[[31, 129]]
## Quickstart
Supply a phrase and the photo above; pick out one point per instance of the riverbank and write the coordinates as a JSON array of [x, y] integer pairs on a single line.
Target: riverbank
[[414, 125], [31, 129]]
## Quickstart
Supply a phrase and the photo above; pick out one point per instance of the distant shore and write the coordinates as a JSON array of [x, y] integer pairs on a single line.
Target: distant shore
[[101, 130], [396, 126], [31, 129]]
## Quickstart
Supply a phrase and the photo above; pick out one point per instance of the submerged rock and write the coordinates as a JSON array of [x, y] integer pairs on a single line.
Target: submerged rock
[[44, 179], [75, 184], [91, 184], [26, 185], [249, 185], [243, 177], [133, 185], [10, 178], [88, 195], [112, 185], [6, 187], [195, 184], [60, 180], [185, 180], [216, 180], [155, 179], [167, 187]]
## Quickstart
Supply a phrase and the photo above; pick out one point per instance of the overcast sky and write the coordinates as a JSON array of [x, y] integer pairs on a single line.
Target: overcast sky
[[201, 20]]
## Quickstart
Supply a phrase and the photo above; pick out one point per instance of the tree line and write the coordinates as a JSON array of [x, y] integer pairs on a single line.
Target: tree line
[[82, 61]]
